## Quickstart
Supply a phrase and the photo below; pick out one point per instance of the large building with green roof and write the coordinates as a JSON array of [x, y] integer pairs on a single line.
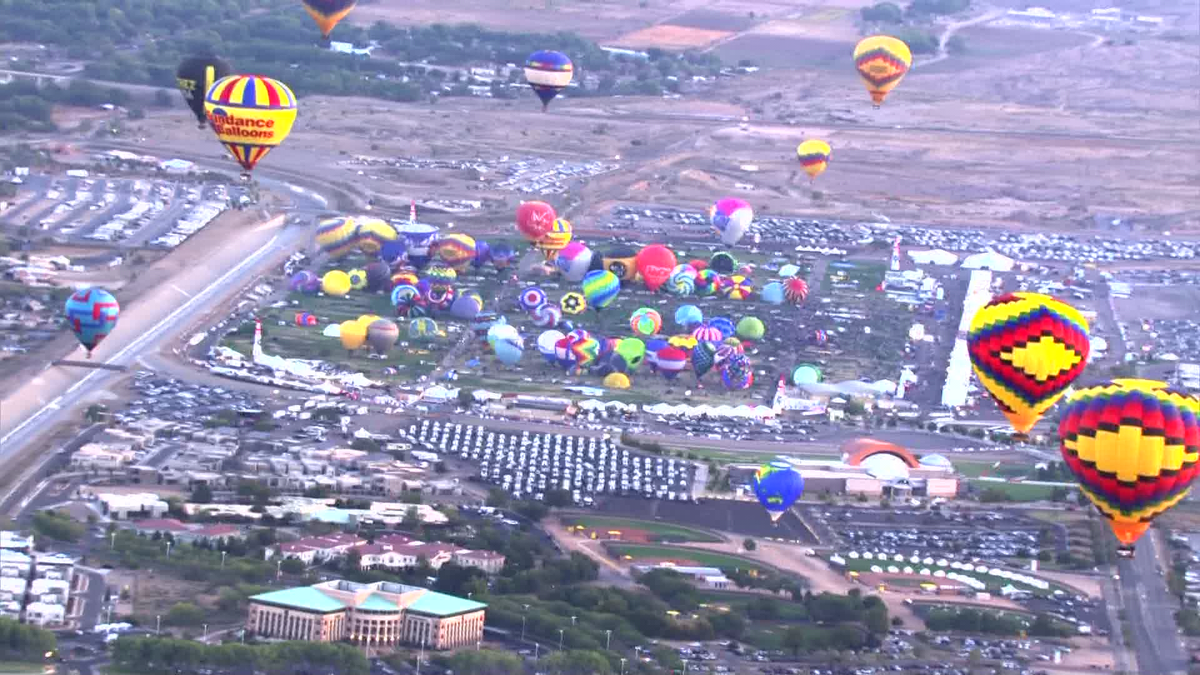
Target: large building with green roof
[[381, 614]]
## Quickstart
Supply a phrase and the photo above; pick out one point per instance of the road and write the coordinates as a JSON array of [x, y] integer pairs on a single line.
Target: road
[[32, 410], [951, 29], [1150, 611]]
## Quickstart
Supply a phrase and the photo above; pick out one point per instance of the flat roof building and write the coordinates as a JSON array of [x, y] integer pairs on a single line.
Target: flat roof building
[[382, 614]]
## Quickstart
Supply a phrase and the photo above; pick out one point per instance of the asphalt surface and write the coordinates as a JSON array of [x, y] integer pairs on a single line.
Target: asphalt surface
[[1151, 613], [30, 411]]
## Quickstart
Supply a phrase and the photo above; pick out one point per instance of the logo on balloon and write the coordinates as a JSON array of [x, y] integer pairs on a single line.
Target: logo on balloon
[[657, 271]]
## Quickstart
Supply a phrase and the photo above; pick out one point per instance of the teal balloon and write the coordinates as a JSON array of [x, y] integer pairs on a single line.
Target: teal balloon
[[92, 314], [773, 293]]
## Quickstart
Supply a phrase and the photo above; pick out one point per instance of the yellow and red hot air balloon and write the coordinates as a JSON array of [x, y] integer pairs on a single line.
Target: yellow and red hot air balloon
[[882, 61], [251, 115], [327, 13], [1133, 445], [1027, 348], [814, 157], [556, 239]]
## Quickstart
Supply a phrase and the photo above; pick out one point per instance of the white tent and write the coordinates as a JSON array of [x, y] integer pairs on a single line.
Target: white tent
[[989, 260], [935, 257]]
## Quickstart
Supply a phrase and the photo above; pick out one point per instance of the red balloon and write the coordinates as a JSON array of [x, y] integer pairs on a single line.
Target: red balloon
[[698, 264], [655, 263], [534, 219]]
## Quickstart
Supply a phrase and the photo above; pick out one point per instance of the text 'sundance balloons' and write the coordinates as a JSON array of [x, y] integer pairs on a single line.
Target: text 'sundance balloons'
[[1133, 446], [92, 314], [1027, 348], [251, 115]]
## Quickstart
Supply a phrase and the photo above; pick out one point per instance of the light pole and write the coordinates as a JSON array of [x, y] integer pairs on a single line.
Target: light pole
[[222, 559], [168, 549], [536, 647], [522, 628], [205, 638], [420, 656], [622, 666], [157, 624], [560, 639], [112, 541], [608, 640], [572, 620]]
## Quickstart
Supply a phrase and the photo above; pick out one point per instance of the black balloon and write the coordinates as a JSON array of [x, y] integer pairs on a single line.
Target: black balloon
[[194, 76]]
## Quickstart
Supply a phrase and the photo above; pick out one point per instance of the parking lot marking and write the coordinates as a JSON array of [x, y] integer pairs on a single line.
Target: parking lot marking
[[185, 293]]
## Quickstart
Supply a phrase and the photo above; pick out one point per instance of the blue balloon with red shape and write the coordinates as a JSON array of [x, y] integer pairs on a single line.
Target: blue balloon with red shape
[[92, 314]]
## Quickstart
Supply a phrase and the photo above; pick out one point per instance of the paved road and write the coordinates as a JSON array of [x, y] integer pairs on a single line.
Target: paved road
[[1150, 610], [30, 411]]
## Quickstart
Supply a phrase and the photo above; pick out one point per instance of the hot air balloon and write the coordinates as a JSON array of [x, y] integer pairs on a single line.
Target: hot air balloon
[[335, 283], [92, 314], [1133, 446], [806, 374], [502, 255], [1027, 348], [251, 115], [548, 73], [423, 328], [358, 279], [304, 282], [194, 77], [814, 157], [382, 335], [688, 316], [574, 261], [703, 358], [796, 290], [467, 306], [455, 250], [736, 373], [773, 293], [546, 315], [573, 303], [881, 61], [327, 13], [531, 298], [708, 282], [483, 253], [534, 220], [558, 236], [707, 334], [655, 263], [353, 335], [671, 360], [600, 288], [546, 342], [337, 236], [739, 287], [645, 321], [508, 350], [305, 319], [682, 280], [621, 261], [372, 234], [616, 381], [731, 219], [723, 324], [379, 275], [777, 486], [632, 351], [722, 263], [751, 328]]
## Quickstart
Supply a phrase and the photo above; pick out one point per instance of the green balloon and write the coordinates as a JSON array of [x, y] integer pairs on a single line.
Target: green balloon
[[633, 351]]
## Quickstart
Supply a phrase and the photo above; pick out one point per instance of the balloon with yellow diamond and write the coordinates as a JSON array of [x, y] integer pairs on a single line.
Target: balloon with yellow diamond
[[882, 61], [814, 157], [1133, 445], [1027, 348]]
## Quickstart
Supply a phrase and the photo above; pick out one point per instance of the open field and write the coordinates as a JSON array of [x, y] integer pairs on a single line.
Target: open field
[[636, 553], [1159, 302], [661, 531], [708, 19], [668, 36], [744, 518], [1017, 492]]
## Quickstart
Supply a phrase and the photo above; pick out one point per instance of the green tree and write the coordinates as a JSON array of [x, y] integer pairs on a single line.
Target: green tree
[[576, 661], [749, 544], [57, 525], [884, 12], [202, 494], [486, 662], [292, 566], [184, 614], [498, 498]]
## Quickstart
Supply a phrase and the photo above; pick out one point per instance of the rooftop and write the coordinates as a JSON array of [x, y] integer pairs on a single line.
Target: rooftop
[[377, 602], [303, 597], [440, 604]]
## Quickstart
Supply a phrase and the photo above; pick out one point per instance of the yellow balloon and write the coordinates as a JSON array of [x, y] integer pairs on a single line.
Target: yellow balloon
[[882, 61], [367, 319], [353, 334], [814, 156], [251, 115], [616, 381], [358, 279], [335, 283]]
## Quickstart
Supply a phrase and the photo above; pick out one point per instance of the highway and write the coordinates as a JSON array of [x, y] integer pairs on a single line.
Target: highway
[[1150, 611], [30, 411]]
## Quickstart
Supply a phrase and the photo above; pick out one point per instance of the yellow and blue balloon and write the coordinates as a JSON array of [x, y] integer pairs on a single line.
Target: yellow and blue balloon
[[251, 115], [777, 486]]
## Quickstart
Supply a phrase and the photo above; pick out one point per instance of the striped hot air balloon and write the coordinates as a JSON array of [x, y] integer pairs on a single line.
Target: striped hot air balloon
[[92, 314], [814, 157], [251, 115], [1133, 446], [881, 61], [327, 13], [1027, 348], [548, 73]]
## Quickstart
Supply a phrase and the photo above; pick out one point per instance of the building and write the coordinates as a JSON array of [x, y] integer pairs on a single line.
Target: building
[[383, 614], [188, 532], [708, 577], [490, 562], [125, 506], [393, 551]]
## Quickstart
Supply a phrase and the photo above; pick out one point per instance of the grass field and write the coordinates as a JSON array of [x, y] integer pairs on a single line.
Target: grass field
[[638, 552], [1017, 492], [1006, 470], [665, 531], [22, 668], [781, 51], [864, 275]]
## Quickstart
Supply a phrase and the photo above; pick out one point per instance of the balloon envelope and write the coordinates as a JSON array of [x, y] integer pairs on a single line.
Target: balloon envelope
[[1027, 348], [731, 219], [881, 61], [92, 314], [814, 156], [535, 219], [251, 115], [1133, 446], [548, 73], [335, 283], [327, 13], [777, 486], [353, 334], [382, 335], [655, 263], [194, 76]]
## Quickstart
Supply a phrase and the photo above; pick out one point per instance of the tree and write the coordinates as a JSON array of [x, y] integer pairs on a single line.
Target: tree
[[466, 399], [498, 498], [884, 12], [22, 642], [558, 498], [57, 525], [292, 566], [486, 662], [576, 661], [184, 614], [749, 544], [202, 494]]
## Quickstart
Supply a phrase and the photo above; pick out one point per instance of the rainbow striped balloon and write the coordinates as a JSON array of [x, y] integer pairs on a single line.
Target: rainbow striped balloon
[[251, 115]]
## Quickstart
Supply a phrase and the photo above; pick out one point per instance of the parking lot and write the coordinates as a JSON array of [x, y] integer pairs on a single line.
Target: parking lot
[[129, 212], [167, 398], [1106, 245], [528, 175], [529, 464]]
